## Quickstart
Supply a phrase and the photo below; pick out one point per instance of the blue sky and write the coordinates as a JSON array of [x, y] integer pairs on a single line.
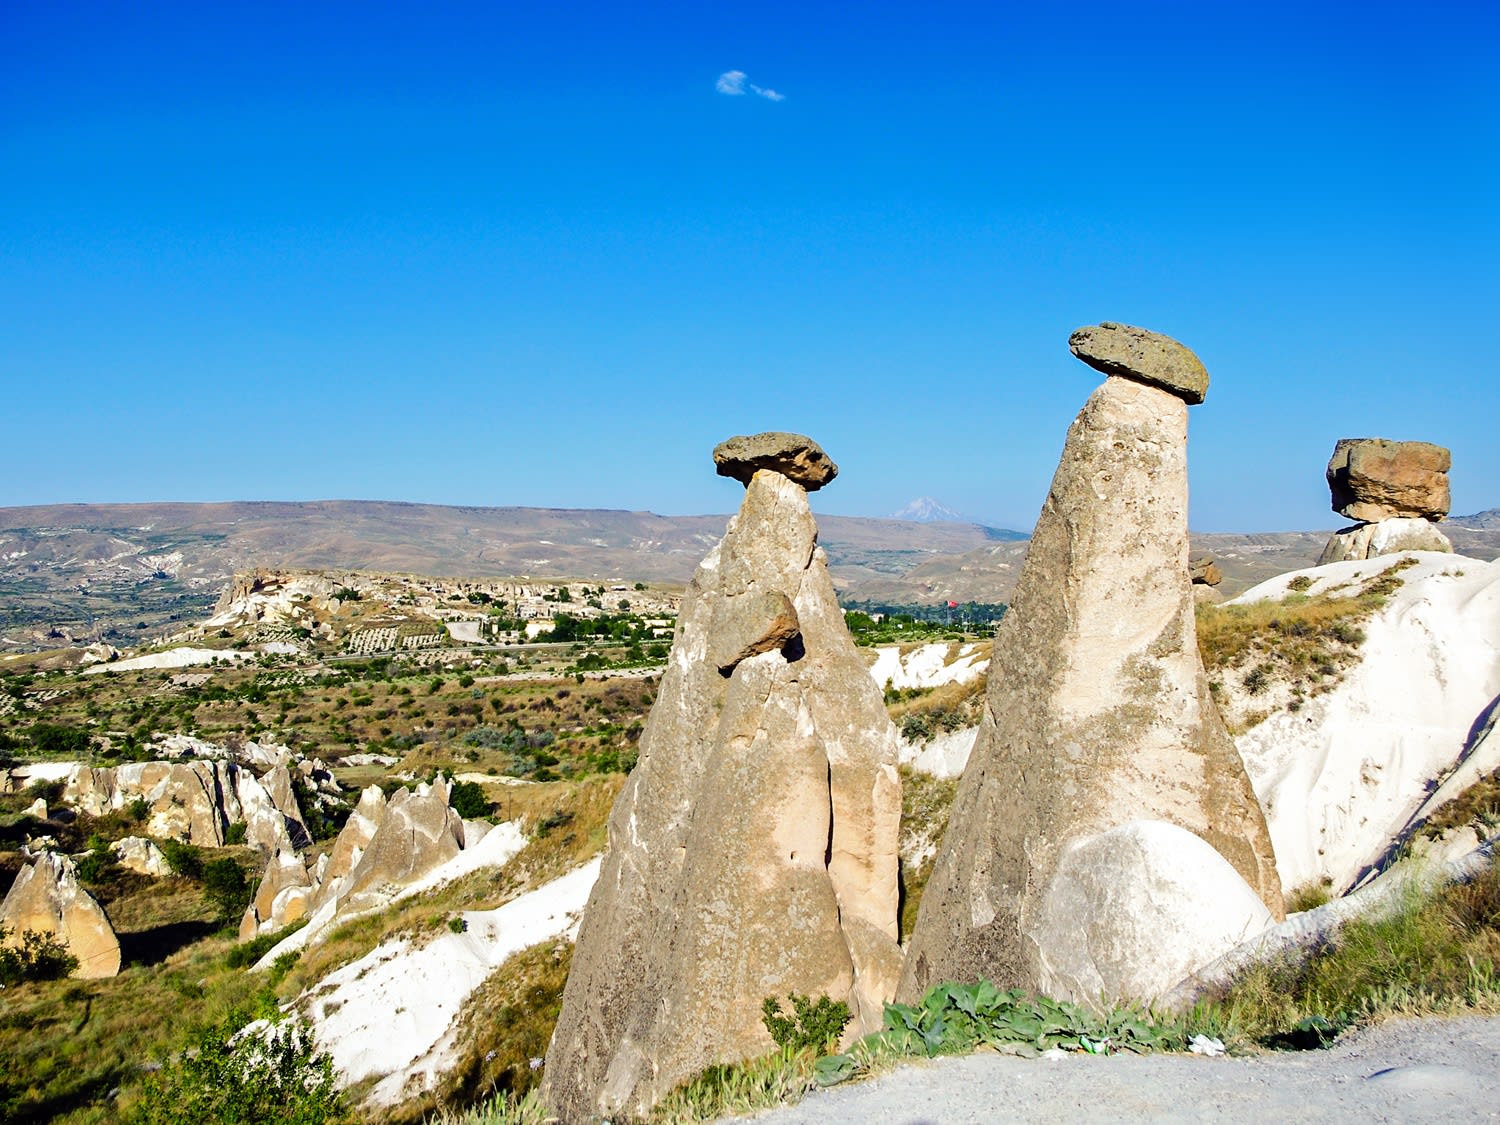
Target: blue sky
[[526, 254]]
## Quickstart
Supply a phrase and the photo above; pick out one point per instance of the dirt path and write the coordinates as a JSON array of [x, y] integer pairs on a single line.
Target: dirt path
[[1438, 1070]]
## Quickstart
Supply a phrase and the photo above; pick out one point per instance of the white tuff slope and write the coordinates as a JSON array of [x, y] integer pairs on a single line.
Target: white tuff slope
[[1344, 774], [392, 1015]]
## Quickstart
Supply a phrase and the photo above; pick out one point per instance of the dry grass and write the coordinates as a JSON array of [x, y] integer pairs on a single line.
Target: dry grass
[[921, 713], [1271, 654], [926, 802]]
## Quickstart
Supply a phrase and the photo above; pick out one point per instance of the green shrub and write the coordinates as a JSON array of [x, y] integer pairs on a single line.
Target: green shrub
[[235, 833], [273, 1077], [226, 888], [814, 1024], [468, 800], [39, 957], [184, 859]]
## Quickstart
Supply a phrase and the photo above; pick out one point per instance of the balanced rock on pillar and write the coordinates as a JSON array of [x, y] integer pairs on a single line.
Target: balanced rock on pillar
[[1097, 715], [1398, 490], [753, 851]]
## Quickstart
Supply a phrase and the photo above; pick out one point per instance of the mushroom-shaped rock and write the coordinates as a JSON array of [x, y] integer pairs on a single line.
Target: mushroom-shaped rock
[[794, 456], [1373, 479], [1146, 357], [754, 849], [1098, 711], [47, 898]]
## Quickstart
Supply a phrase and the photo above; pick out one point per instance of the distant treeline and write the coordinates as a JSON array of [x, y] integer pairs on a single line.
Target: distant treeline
[[968, 613]]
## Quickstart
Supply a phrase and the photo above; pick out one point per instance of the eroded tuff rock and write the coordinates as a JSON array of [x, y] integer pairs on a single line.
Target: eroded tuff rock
[[753, 852], [138, 854], [1388, 537], [1373, 479], [47, 898], [195, 801], [1146, 357], [417, 832], [1134, 910], [792, 455], [283, 897], [1098, 711]]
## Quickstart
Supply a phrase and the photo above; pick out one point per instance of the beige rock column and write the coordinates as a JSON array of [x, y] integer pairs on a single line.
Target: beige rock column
[[47, 898], [753, 852], [1098, 712]]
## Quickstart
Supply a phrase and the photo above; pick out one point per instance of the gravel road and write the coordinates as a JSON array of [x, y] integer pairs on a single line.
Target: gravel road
[[1408, 1071]]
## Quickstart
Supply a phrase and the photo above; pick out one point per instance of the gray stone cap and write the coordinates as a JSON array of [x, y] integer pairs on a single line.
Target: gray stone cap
[[1147, 357], [795, 456]]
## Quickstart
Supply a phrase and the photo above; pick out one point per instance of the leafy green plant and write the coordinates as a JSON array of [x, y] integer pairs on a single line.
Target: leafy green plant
[[226, 888], [235, 834], [40, 956], [468, 800], [265, 1076], [815, 1024], [184, 859], [957, 1018]]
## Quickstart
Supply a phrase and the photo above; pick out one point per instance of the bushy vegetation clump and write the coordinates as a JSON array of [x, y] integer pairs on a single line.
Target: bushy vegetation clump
[[38, 957], [269, 1074]]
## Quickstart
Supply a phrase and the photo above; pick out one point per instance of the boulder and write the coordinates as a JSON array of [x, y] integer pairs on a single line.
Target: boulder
[[283, 897], [1131, 911], [794, 456], [1097, 711], [37, 809], [47, 898], [1146, 357], [753, 851], [1388, 537], [1372, 479], [1204, 571], [138, 854]]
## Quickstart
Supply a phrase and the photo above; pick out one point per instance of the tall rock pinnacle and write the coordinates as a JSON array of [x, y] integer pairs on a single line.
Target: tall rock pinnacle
[[753, 852], [1098, 714]]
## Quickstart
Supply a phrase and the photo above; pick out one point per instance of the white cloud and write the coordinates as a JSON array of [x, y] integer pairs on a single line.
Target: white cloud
[[735, 83]]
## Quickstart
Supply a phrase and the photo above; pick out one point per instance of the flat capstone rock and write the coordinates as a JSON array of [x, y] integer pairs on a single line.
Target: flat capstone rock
[[795, 456], [1146, 357]]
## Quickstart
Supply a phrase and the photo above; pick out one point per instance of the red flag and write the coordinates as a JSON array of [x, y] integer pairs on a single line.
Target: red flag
[[952, 605]]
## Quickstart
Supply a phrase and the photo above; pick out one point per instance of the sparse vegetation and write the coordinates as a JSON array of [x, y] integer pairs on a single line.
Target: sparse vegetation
[[1288, 650], [37, 957], [812, 1025]]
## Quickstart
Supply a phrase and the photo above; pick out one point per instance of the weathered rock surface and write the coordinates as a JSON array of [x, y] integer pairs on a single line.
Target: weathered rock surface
[[194, 801], [1372, 479], [1098, 711], [283, 897], [1388, 537], [138, 854], [1204, 571], [792, 455], [1132, 911], [753, 852], [417, 832], [350, 845], [47, 898], [1146, 357]]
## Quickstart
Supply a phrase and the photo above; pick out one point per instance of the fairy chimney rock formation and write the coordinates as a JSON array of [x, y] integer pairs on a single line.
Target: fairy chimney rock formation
[[1097, 715], [1397, 490], [753, 851], [47, 898]]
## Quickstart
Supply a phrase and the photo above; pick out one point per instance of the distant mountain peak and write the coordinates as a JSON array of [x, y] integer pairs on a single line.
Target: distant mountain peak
[[925, 509]]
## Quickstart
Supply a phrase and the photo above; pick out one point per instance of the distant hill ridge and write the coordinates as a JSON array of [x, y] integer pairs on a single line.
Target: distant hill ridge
[[80, 567]]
